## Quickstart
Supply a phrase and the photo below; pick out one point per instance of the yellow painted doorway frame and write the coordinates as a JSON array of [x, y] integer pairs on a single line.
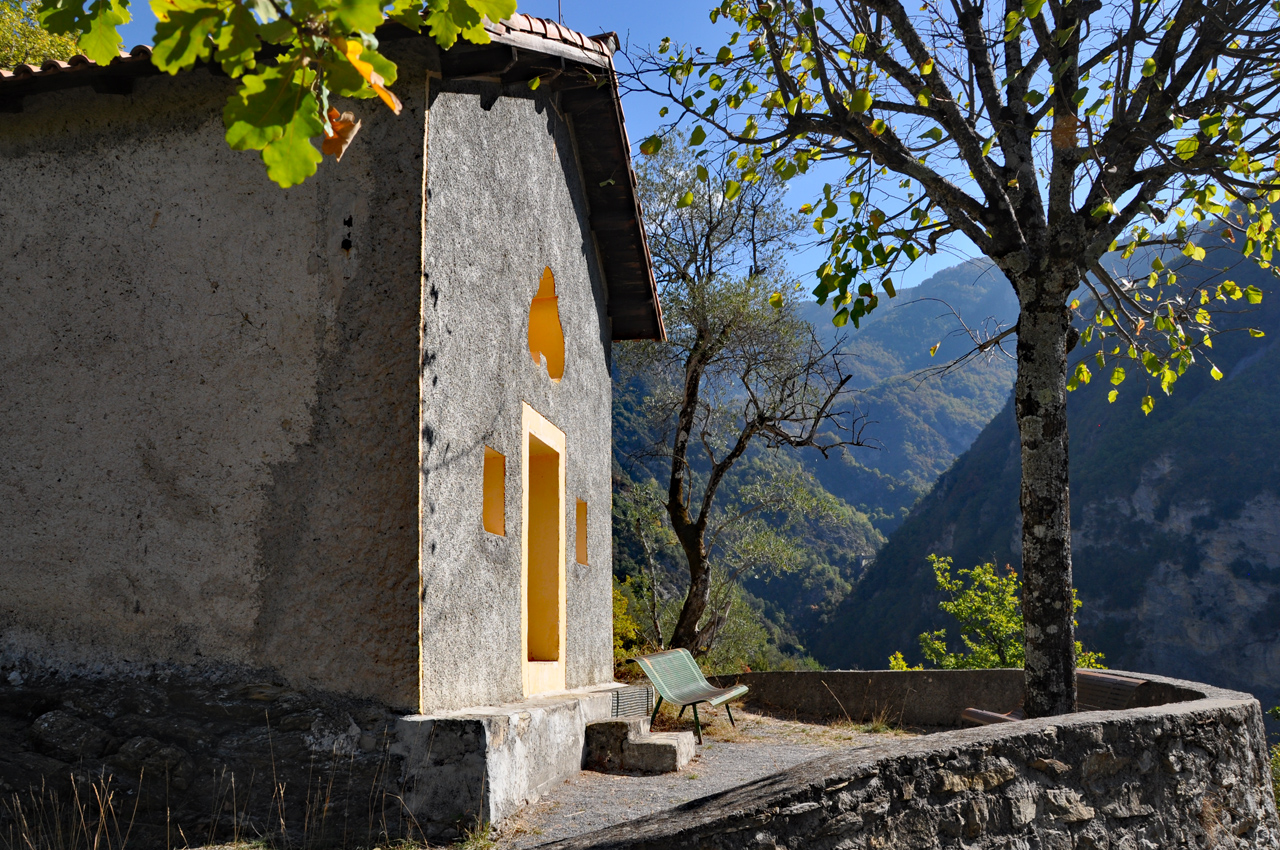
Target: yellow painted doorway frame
[[543, 554]]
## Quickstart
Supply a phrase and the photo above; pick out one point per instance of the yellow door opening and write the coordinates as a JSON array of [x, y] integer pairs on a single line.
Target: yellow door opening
[[544, 554]]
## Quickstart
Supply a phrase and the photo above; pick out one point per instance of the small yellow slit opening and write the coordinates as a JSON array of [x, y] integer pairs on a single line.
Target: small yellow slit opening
[[546, 335], [581, 529], [495, 492]]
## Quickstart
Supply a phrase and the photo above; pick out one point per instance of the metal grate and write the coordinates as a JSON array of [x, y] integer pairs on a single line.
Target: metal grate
[[633, 701]]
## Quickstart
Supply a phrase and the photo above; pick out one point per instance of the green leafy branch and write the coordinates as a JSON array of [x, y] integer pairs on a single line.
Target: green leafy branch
[[932, 141], [988, 608], [291, 57]]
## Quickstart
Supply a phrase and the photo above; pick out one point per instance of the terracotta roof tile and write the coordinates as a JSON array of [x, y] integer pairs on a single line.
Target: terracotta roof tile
[[52, 67]]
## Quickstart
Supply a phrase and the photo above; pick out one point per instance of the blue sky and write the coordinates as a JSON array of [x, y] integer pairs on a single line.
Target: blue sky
[[642, 25]]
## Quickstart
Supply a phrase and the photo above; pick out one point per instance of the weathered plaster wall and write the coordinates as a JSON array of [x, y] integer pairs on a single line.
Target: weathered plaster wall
[[207, 411], [1185, 775], [504, 201]]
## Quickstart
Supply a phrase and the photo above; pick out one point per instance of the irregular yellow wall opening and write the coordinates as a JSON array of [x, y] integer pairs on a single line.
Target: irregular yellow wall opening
[[546, 335], [580, 528], [544, 551], [495, 492]]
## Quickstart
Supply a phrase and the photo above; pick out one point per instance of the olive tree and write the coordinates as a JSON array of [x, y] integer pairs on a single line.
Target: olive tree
[[1054, 135], [739, 370]]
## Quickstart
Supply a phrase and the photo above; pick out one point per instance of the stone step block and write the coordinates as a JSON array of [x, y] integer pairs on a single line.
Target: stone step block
[[625, 745]]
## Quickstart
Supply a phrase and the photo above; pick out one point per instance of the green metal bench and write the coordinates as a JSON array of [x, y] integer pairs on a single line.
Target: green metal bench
[[678, 680]]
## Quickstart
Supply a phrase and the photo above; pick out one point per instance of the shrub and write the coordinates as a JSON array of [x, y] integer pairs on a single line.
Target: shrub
[[987, 606]]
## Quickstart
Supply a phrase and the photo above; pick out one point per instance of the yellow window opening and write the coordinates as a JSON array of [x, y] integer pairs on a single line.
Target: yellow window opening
[[581, 529], [546, 335], [495, 492]]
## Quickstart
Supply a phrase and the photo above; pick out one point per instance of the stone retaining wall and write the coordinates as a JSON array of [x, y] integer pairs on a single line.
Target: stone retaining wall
[[1184, 774]]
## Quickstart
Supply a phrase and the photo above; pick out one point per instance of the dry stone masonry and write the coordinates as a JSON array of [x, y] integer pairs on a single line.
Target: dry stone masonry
[[1189, 774]]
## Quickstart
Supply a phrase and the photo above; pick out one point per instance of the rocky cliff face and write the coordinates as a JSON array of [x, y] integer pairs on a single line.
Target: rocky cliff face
[[1211, 606]]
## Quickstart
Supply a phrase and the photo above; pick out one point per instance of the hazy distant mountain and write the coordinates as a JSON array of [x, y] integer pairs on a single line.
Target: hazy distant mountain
[[918, 425]]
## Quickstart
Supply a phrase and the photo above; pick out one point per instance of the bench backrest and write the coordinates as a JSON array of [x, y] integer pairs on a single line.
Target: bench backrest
[[1100, 691], [674, 674]]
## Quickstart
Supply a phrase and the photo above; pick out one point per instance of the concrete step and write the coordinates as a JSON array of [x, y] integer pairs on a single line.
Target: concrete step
[[625, 745]]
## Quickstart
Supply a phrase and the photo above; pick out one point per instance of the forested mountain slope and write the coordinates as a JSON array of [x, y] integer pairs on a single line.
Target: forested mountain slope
[[916, 427], [1176, 517]]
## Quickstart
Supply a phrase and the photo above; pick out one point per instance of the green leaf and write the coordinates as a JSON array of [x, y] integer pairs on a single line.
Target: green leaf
[[878, 127], [100, 40], [534, 83], [1149, 70], [1032, 7], [182, 33], [264, 105], [686, 200], [841, 319], [732, 189], [1254, 332], [698, 136], [357, 15], [292, 158], [1033, 98], [1117, 376], [449, 19], [933, 349], [1194, 251], [775, 300], [1216, 373], [934, 135], [266, 11], [1186, 148], [651, 146], [1111, 396], [888, 287], [701, 171], [860, 100], [986, 147], [1148, 405], [237, 41], [860, 43], [1254, 294]]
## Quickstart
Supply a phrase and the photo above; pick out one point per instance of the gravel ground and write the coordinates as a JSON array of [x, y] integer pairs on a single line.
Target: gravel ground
[[759, 746]]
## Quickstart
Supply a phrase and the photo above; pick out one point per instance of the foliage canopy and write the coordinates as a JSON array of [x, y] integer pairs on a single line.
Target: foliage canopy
[[22, 39], [289, 56]]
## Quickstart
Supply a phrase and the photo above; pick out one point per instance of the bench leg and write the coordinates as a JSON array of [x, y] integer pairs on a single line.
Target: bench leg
[[656, 706], [729, 711], [681, 714], [697, 726]]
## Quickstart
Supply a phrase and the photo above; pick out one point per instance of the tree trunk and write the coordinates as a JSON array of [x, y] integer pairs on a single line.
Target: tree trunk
[[1041, 404], [686, 633]]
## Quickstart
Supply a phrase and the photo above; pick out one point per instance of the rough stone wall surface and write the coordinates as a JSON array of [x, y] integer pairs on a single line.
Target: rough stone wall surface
[[187, 760], [207, 416], [504, 201], [1186, 775]]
